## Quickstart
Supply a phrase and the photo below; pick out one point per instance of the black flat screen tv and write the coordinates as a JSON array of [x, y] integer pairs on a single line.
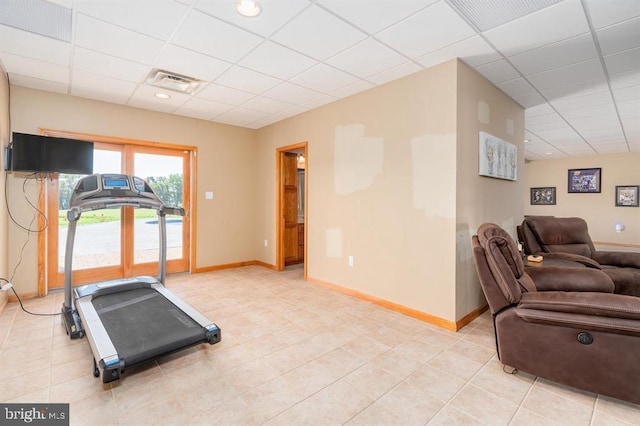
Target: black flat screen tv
[[45, 154]]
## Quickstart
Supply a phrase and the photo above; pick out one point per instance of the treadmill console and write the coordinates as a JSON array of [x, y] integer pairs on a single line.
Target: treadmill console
[[103, 191]]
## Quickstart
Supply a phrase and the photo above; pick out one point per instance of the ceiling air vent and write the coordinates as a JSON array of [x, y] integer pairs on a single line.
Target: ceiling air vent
[[172, 81]]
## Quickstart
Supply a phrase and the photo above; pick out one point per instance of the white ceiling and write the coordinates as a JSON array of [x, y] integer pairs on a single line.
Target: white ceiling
[[574, 65]]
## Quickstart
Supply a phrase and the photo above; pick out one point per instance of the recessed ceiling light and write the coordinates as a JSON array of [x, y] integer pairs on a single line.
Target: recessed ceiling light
[[527, 140], [548, 153], [248, 8], [162, 95]]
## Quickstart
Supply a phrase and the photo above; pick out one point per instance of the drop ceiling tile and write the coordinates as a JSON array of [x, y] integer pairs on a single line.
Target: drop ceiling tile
[[110, 66], [605, 13], [474, 51], [319, 101], [291, 93], [263, 104], [629, 93], [36, 83], [563, 134], [579, 102], [582, 88], [202, 109], [101, 87], [107, 38], [395, 73], [63, 3], [549, 25], [619, 37], [556, 55], [193, 64], [240, 116], [223, 94], [273, 16], [632, 128], [352, 89], [545, 122], [34, 68], [34, 46], [367, 58], [323, 78], [625, 79], [568, 75], [518, 86], [629, 108], [628, 60], [378, 14], [277, 61], [529, 100], [617, 148], [212, 36], [498, 72], [156, 18], [247, 80], [431, 29], [308, 34], [542, 109]]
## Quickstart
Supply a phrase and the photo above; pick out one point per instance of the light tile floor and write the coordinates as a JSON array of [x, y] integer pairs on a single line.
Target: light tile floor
[[292, 353]]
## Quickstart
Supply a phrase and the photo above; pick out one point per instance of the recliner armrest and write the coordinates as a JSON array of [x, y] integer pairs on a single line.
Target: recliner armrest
[[586, 311], [556, 278], [618, 258], [578, 258], [588, 303]]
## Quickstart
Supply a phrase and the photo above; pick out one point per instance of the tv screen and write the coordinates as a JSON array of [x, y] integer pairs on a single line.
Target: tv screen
[[45, 154]]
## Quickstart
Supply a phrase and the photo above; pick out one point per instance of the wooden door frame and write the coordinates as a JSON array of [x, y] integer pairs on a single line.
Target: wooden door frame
[[280, 153], [47, 266]]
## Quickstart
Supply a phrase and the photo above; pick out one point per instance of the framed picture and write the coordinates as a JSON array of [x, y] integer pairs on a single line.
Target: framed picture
[[497, 158], [627, 196], [544, 196], [585, 180]]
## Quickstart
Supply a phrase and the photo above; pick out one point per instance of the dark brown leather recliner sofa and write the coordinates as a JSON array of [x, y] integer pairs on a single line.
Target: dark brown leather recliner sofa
[[568, 237], [562, 324]]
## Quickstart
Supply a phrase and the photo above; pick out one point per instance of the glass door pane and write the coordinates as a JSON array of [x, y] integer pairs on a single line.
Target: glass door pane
[[164, 173], [97, 239]]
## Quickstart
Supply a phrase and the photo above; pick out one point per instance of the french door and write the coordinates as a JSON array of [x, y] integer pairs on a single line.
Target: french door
[[122, 242]]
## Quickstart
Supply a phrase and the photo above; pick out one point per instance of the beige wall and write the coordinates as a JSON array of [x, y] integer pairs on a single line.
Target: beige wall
[[4, 140], [226, 166], [598, 210], [383, 170], [482, 107]]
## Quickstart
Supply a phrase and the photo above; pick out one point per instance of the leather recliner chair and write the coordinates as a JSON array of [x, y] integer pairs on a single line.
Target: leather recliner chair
[[562, 324], [568, 237]]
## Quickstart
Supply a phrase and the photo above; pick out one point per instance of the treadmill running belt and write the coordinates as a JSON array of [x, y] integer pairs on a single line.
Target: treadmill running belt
[[143, 324]]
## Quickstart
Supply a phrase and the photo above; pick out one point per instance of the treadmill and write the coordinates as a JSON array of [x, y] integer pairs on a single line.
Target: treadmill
[[131, 320]]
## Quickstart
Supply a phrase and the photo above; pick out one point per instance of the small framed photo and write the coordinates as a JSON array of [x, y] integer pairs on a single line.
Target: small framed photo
[[584, 180], [543, 196], [627, 196]]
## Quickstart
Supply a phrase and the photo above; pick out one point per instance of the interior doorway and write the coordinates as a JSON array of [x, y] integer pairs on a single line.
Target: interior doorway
[[292, 171]]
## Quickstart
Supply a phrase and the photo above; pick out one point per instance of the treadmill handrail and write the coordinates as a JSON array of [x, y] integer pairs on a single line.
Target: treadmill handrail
[[99, 204]]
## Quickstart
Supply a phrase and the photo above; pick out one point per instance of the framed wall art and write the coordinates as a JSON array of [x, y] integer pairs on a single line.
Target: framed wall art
[[543, 196], [627, 196], [584, 180], [497, 158]]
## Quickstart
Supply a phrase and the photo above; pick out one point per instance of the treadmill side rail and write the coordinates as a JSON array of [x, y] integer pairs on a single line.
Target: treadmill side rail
[[101, 346], [185, 307]]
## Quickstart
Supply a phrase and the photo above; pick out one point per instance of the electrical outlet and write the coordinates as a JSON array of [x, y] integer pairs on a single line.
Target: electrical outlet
[[266, 243], [351, 260]]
